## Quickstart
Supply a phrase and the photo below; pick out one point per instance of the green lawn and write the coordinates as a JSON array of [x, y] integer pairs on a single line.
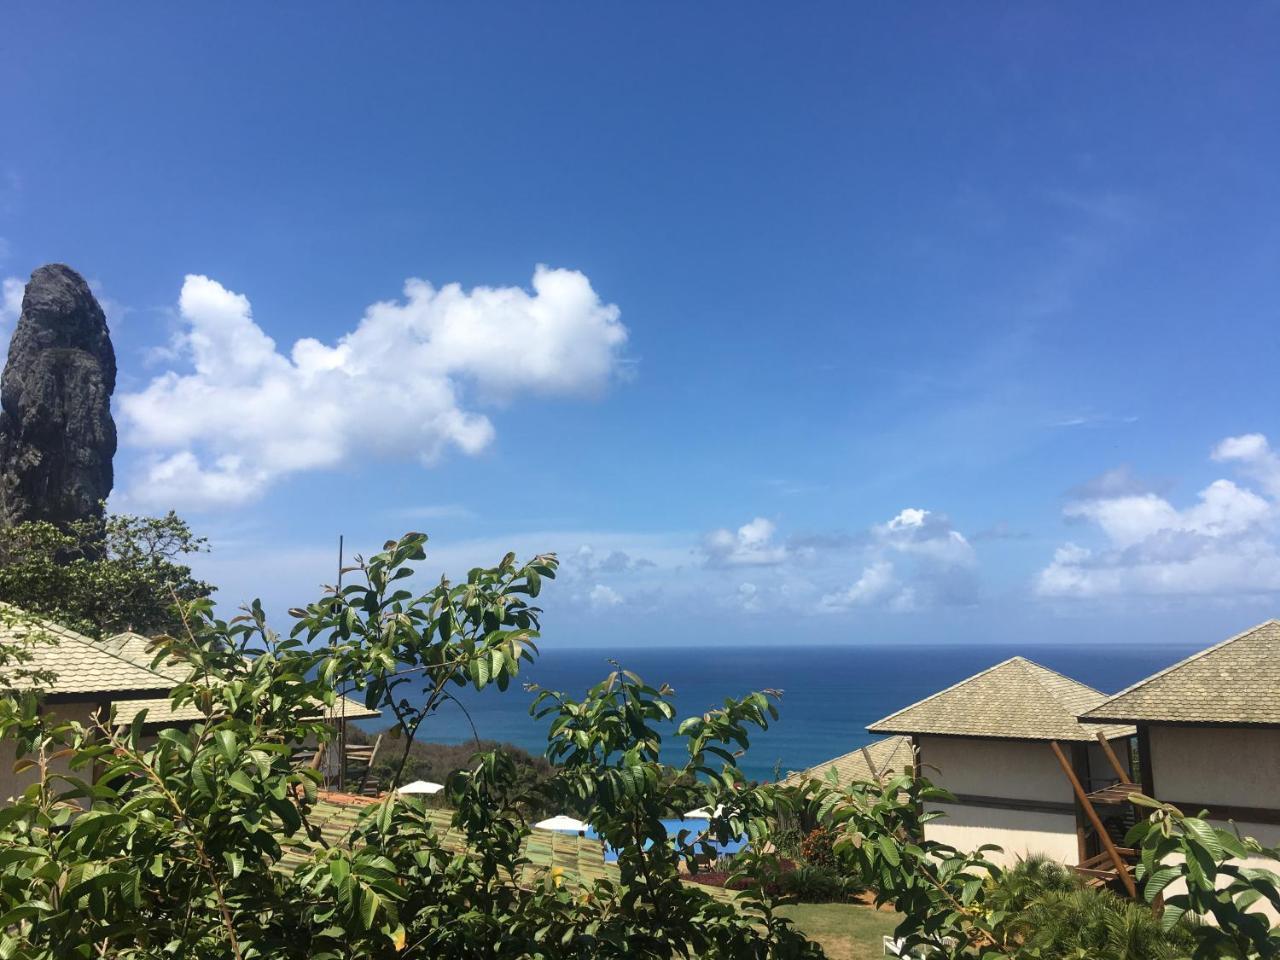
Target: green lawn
[[846, 931]]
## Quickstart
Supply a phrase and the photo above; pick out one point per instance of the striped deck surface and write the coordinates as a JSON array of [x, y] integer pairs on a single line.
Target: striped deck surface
[[581, 859]]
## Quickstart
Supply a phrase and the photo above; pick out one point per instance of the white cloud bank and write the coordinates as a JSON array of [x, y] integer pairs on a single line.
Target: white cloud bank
[[397, 387], [915, 559], [1225, 543]]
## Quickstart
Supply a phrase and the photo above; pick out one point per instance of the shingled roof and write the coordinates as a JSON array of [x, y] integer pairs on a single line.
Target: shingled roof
[[888, 756], [137, 648], [161, 712], [1014, 700], [1236, 682], [80, 666]]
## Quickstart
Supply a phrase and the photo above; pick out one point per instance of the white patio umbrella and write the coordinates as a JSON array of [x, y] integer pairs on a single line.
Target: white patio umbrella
[[420, 786], [702, 814], [563, 824]]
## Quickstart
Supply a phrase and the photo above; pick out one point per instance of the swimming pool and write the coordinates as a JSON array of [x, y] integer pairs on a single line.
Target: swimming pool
[[673, 828]]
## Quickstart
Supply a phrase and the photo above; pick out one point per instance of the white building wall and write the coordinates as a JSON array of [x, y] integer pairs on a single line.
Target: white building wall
[[1237, 766], [1017, 769], [1019, 833], [1006, 769]]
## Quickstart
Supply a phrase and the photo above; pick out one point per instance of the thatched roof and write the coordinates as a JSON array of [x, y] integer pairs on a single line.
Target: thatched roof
[[1235, 683], [1014, 700]]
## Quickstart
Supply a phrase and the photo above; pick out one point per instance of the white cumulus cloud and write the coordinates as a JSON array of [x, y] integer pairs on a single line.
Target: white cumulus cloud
[[1255, 457], [926, 534], [876, 585], [1225, 542], [750, 545], [11, 290], [914, 559], [602, 596], [402, 385]]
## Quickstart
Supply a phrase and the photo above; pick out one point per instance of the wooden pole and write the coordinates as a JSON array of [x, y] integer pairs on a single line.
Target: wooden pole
[[1080, 763], [871, 765], [1083, 799], [1144, 761], [1113, 759]]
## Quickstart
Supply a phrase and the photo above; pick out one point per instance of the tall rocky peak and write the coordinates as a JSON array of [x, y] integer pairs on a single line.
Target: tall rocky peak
[[57, 437]]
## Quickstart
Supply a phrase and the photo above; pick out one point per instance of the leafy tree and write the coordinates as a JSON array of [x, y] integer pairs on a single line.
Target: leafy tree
[[1217, 885], [438, 761], [102, 575], [177, 848], [938, 889], [386, 642]]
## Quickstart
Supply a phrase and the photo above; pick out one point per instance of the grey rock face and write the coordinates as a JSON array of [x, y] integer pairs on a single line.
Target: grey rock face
[[57, 437]]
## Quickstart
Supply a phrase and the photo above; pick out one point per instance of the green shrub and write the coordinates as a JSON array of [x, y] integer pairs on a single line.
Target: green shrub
[[814, 884], [818, 848], [1040, 908], [1097, 924], [1030, 878]]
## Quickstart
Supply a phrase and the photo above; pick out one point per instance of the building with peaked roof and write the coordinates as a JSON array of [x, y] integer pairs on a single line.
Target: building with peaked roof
[[84, 679], [877, 760], [81, 668], [1000, 742], [1208, 731], [160, 711]]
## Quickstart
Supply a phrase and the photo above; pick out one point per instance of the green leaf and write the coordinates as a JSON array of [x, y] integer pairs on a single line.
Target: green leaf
[[241, 782], [369, 904], [889, 849], [227, 744], [1204, 834], [1158, 880]]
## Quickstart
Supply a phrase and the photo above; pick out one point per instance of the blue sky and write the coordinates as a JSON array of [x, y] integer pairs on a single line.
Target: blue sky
[[856, 324]]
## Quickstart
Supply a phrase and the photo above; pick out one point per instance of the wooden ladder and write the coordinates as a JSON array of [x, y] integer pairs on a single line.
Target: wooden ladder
[[359, 761], [1094, 868]]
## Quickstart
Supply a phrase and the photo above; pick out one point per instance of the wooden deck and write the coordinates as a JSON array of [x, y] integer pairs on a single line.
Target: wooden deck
[[581, 859]]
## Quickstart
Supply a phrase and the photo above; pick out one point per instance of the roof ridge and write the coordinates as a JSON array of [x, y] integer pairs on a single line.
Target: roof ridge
[[1182, 663], [89, 642], [118, 652], [64, 637], [933, 696], [63, 632], [1025, 700], [1038, 676]]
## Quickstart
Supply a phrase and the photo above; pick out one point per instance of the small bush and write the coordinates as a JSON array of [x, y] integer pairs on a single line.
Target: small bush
[[814, 884], [1028, 879], [1100, 925], [818, 849]]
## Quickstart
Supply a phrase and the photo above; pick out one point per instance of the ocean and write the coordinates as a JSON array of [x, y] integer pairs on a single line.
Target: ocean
[[829, 694]]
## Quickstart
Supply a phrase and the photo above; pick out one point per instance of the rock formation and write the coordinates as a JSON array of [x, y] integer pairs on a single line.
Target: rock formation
[[57, 437]]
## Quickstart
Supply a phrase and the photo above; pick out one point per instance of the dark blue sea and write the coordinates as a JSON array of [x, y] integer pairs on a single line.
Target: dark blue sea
[[829, 694]]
